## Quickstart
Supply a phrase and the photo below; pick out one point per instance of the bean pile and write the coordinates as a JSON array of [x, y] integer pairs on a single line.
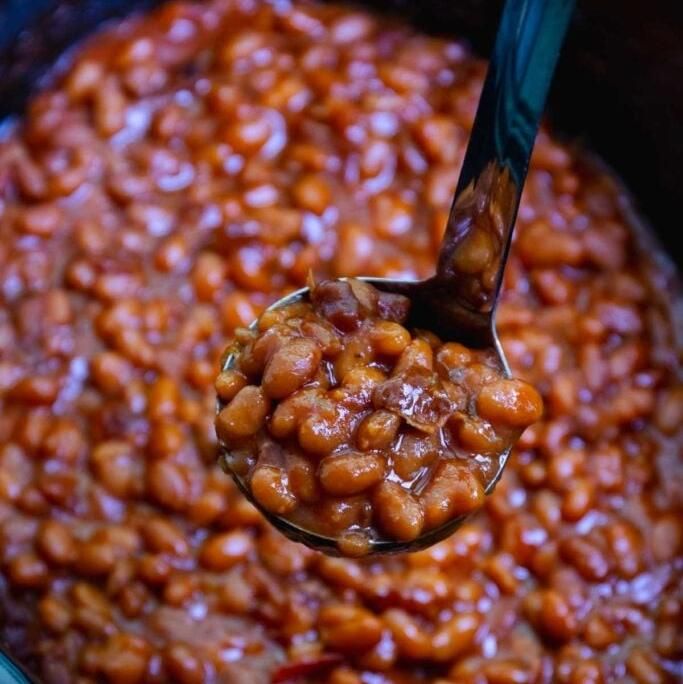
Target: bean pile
[[347, 425], [186, 169]]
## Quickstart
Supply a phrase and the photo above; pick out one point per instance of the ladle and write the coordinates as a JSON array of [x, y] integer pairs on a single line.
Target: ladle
[[459, 302]]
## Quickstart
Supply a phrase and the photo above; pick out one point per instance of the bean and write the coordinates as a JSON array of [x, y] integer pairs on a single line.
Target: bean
[[162, 536], [248, 136], [42, 220], [412, 453], [28, 571], [54, 613], [667, 537], [229, 383], [378, 430], [168, 485], [557, 618], [510, 402], [392, 215], [290, 412], [312, 192], [125, 659], [578, 500], [389, 338], [626, 545], [477, 436], [585, 557], [223, 551], [453, 490], [56, 543], [398, 513], [598, 633], [642, 666], [412, 641], [508, 671], [208, 276], [183, 665], [348, 628], [455, 637], [302, 479], [361, 381], [451, 356], [501, 569], [440, 138], [543, 246], [111, 372], [237, 311], [290, 367], [95, 558], [110, 105], [179, 589], [244, 416], [356, 354], [270, 487], [417, 354], [350, 473], [322, 434]]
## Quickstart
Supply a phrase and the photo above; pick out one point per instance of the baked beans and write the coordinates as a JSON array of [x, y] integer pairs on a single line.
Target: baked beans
[[187, 168], [334, 405]]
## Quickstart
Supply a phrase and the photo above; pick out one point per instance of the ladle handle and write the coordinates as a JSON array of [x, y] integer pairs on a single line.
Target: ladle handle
[[477, 238], [11, 671]]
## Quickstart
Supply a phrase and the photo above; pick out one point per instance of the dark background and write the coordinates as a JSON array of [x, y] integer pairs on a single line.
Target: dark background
[[619, 86]]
